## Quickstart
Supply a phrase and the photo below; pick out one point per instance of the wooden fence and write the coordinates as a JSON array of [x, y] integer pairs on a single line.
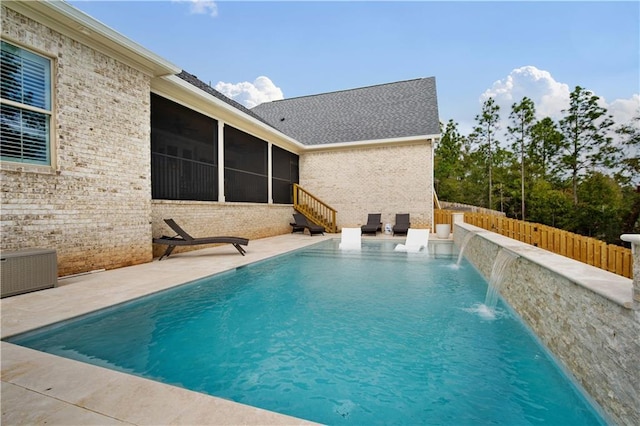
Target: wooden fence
[[588, 250]]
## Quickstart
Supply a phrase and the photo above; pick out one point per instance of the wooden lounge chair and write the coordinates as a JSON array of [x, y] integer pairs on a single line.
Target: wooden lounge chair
[[402, 224], [301, 223], [184, 239], [373, 224]]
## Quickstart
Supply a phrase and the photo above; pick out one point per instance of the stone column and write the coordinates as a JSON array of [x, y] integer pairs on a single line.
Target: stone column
[[634, 239]]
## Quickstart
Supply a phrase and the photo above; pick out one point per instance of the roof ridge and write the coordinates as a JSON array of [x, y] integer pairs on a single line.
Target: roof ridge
[[346, 90]]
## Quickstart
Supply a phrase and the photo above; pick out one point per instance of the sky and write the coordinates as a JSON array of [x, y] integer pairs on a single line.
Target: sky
[[260, 51]]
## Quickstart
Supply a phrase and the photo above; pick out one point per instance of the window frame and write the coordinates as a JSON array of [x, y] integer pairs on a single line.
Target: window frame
[[11, 163]]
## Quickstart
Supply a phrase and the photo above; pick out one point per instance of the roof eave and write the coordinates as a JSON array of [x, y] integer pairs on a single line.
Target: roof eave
[[67, 20], [407, 140], [168, 84]]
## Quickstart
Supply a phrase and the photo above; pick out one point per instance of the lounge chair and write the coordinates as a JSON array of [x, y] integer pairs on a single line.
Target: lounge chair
[[296, 228], [350, 239], [402, 224], [373, 224], [417, 239], [184, 239], [301, 222]]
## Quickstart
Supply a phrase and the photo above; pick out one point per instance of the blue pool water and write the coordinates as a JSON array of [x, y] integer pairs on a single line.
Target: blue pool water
[[375, 337]]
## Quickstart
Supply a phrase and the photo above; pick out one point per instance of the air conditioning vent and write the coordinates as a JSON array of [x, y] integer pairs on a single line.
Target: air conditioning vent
[[28, 270]]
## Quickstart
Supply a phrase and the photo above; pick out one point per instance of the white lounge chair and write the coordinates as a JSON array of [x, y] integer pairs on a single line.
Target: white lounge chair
[[417, 239], [351, 239]]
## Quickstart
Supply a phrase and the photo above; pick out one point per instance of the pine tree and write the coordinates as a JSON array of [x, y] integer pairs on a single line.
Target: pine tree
[[587, 144], [522, 117], [485, 134]]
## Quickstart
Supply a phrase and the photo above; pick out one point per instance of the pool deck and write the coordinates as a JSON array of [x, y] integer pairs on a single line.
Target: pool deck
[[39, 388]]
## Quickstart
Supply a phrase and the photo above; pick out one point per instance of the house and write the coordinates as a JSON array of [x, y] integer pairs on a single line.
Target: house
[[366, 150], [102, 139]]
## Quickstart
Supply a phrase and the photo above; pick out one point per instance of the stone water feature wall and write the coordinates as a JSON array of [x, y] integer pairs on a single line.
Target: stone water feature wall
[[585, 316]]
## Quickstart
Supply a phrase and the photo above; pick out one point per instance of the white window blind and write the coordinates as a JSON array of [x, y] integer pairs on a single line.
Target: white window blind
[[25, 106]]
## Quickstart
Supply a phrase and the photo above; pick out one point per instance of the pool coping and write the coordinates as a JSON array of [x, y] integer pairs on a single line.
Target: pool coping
[[39, 388], [615, 288]]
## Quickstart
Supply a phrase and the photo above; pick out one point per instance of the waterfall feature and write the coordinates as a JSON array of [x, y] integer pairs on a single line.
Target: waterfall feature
[[463, 245], [503, 261]]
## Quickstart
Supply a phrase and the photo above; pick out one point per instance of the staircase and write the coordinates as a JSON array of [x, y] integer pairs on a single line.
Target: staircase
[[314, 209]]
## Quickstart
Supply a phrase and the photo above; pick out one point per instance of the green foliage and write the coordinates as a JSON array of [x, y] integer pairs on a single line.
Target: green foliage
[[629, 172], [447, 162], [569, 174], [631, 210], [484, 135], [546, 142], [549, 206], [522, 118], [599, 212], [586, 142]]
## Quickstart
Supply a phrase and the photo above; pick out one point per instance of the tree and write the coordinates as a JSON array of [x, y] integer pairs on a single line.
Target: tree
[[599, 212], [522, 117], [546, 142], [630, 162], [485, 133], [506, 183], [548, 205], [586, 144], [448, 162], [630, 173]]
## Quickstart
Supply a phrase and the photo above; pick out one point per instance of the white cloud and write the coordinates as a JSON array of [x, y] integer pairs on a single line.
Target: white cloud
[[625, 110], [201, 7], [549, 96], [251, 94]]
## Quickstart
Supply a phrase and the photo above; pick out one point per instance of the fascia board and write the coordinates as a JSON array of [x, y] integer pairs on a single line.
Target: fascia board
[[409, 140], [176, 89], [73, 23]]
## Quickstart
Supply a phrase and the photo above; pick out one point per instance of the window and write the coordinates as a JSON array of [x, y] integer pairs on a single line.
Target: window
[[285, 174], [25, 106], [184, 153], [245, 167]]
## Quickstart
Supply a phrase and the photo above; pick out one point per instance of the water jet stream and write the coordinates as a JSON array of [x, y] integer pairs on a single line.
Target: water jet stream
[[503, 261], [463, 245]]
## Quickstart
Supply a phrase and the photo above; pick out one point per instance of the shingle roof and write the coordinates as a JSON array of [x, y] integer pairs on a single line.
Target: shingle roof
[[195, 81], [386, 111]]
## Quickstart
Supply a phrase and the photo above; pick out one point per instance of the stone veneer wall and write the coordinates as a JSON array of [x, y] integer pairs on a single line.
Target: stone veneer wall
[[206, 219], [93, 206], [386, 179], [597, 339]]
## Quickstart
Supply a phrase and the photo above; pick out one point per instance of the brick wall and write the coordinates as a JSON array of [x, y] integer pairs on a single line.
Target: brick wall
[[94, 206], [206, 219], [386, 179]]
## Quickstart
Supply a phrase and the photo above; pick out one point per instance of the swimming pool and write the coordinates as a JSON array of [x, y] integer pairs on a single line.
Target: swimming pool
[[339, 338]]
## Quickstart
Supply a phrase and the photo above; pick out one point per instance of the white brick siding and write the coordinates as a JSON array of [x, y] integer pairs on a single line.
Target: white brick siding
[[94, 207], [387, 179]]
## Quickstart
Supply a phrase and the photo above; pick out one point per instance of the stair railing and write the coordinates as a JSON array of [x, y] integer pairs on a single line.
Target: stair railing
[[314, 209]]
